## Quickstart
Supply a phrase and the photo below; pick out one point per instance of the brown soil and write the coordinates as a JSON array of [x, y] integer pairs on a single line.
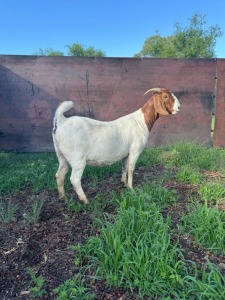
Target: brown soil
[[45, 245]]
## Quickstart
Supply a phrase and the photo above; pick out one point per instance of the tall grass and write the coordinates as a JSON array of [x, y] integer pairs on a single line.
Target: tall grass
[[135, 250], [205, 285], [207, 225]]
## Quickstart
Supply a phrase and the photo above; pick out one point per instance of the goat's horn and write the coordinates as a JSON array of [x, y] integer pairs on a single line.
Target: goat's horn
[[158, 90]]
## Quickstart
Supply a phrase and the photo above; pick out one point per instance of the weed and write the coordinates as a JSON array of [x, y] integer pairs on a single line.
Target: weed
[[7, 211], [73, 289], [33, 216], [38, 289]]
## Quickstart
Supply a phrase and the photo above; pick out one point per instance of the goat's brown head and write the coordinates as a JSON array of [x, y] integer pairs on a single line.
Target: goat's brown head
[[164, 101]]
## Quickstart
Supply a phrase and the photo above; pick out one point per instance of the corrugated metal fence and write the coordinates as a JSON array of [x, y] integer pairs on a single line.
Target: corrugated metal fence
[[31, 88]]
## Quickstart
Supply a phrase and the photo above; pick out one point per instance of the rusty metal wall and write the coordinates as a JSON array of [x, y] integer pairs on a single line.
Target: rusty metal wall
[[102, 88], [219, 130]]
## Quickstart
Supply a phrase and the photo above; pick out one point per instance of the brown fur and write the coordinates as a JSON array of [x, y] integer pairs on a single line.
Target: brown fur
[[159, 104]]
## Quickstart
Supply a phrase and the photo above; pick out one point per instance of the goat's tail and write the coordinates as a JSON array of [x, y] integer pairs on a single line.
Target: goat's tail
[[59, 117]]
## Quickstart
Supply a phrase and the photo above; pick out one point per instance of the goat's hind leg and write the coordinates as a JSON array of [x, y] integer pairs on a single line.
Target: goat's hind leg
[[75, 179], [60, 176]]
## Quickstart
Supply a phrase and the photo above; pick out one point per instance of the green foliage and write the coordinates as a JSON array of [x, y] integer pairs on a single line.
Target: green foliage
[[73, 289], [49, 52], [78, 49], [194, 41], [38, 283], [158, 46]]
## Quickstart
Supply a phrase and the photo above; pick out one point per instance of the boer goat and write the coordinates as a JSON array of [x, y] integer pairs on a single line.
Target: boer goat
[[81, 141]]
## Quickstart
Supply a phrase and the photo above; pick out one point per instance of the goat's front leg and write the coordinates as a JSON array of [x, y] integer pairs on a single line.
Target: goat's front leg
[[76, 182], [131, 166]]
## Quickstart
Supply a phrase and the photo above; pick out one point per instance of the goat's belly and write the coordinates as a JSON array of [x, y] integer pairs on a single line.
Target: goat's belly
[[100, 162], [105, 160]]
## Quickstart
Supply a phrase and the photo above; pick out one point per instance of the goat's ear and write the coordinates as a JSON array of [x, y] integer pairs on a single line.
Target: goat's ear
[[159, 105]]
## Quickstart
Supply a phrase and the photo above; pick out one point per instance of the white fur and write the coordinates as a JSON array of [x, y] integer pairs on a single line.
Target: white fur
[[176, 106]]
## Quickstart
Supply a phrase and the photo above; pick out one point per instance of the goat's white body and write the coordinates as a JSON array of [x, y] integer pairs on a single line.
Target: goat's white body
[[101, 143]]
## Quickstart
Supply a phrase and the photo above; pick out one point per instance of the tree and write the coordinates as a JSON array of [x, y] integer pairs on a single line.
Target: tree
[[77, 49], [194, 41], [49, 52]]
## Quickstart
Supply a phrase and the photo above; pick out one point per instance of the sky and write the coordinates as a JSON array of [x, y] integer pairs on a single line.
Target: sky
[[119, 27]]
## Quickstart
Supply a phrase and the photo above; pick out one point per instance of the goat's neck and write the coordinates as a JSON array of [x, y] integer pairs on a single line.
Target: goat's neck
[[150, 114]]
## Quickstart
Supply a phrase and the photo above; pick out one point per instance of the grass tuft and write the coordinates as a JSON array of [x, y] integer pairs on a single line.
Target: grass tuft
[[207, 225], [7, 211]]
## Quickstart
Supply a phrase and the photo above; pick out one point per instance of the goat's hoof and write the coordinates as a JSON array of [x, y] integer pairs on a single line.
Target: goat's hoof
[[84, 201]]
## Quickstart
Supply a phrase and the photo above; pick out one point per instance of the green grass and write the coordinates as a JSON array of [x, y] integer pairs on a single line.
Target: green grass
[[37, 282], [7, 211], [193, 155], [205, 285], [207, 225], [212, 192], [188, 174], [33, 214], [134, 248], [20, 170]]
